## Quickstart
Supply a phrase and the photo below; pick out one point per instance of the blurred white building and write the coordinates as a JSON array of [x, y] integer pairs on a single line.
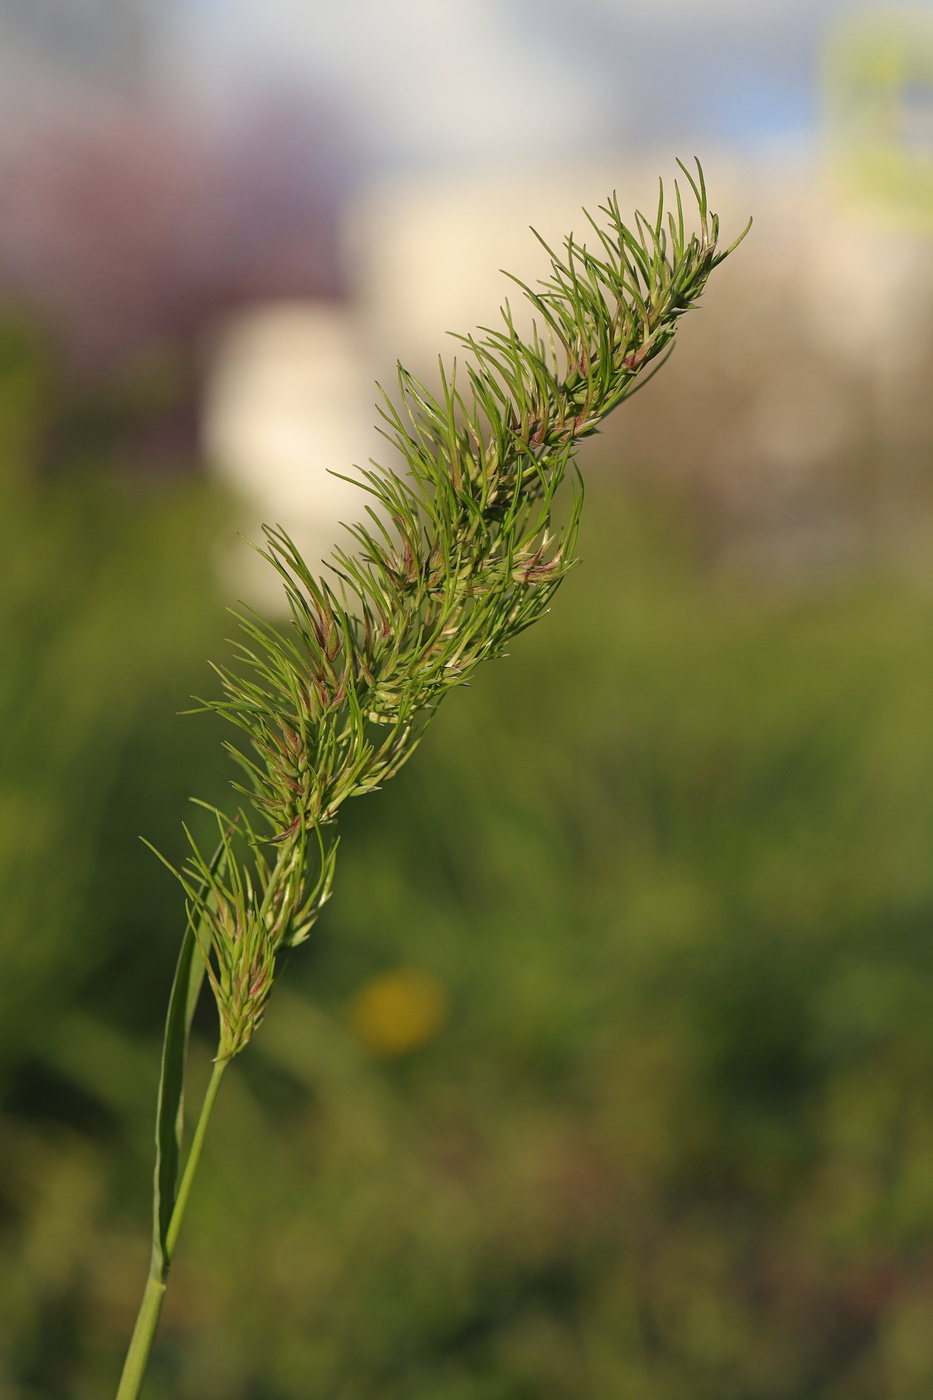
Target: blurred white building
[[287, 406]]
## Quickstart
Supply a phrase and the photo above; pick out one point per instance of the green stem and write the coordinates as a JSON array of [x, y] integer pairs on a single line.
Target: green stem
[[137, 1357], [194, 1156], [134, 1367]]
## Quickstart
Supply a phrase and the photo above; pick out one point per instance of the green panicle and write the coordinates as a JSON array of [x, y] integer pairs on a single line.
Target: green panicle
[[453, 561]]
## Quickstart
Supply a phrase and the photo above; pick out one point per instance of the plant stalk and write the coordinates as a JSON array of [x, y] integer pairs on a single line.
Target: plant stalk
[[147, 1320]]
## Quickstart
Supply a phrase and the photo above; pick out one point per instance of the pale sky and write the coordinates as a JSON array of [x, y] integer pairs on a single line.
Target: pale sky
[[422, 79], [442, 81]]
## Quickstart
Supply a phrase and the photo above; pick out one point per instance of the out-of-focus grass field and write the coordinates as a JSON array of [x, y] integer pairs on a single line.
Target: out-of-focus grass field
[[672, 864]]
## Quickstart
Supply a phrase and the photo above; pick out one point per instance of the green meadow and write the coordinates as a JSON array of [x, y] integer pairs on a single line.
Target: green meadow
[[669, 866]]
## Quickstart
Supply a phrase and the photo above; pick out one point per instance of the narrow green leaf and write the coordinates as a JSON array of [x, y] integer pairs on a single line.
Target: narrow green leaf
[[189, 974]]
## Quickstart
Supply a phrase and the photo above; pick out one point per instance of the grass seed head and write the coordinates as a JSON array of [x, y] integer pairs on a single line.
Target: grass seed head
[[459, 557]]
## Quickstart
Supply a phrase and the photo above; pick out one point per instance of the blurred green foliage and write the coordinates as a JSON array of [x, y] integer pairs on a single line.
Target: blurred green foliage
[[671, 863]]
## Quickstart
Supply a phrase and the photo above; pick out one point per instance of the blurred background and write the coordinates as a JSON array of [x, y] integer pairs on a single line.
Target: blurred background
[[609, 1070]]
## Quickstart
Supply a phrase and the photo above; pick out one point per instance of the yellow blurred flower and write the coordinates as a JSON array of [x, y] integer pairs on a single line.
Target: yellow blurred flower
[[398, 1011]]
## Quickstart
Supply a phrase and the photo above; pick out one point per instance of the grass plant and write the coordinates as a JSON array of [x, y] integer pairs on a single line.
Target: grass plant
[[456, 558]]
